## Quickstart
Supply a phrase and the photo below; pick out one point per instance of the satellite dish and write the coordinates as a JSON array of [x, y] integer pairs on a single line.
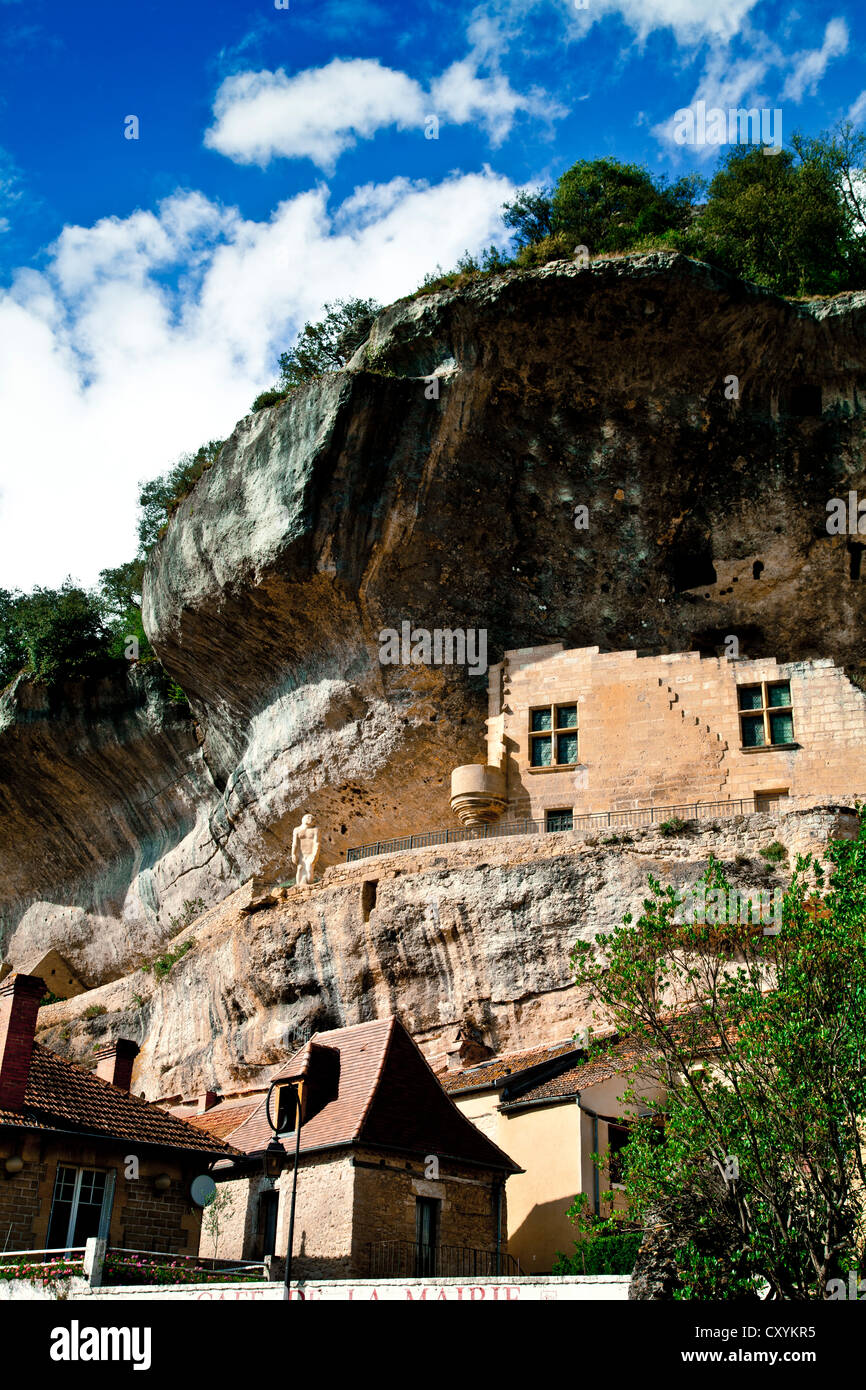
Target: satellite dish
[[202, 1190]]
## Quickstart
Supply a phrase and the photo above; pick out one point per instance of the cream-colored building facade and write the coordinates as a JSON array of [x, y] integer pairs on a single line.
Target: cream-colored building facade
[[551, 1116], [574, 732]]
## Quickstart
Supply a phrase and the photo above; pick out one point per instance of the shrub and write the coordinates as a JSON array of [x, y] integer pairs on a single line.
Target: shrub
[[163, 964], [268, 398], [674, 826], [95, 1011], [160, 498], [773, 853], [601, 1254]]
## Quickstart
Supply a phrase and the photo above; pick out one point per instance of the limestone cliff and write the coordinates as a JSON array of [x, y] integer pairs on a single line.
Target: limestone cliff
[[477, 934], [367, 499]]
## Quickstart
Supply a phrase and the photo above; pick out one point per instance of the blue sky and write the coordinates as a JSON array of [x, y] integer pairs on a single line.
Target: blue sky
[[147, 285]]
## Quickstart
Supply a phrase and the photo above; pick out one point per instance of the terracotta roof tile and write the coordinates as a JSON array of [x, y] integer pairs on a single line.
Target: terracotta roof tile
[[496, 1070], [581, 1077], [62, 1096], [387, 1097]]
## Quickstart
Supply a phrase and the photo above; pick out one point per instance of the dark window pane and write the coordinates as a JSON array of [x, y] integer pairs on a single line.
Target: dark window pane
[[540, 752], [61, 1207], [540, 719], [566, 716], [779, 694], [782, 728], [566, 748], [753, 731], [750, 697], [89, 1211], [559, 820]]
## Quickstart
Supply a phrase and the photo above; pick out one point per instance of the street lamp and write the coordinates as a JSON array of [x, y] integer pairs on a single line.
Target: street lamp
[[275, 1153]]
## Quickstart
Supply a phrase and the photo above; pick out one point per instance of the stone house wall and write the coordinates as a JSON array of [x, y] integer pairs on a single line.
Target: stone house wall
[[141, 1217], [665, 730]]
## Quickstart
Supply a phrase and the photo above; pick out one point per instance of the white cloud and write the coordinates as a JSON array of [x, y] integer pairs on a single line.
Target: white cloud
[[316, 114], [144, 336], [857, 109], [320, 113], [811, 64]]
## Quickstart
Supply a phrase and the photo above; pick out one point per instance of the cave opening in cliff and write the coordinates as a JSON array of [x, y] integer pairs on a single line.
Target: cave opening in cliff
[[368, 896], [802, 400], [692, 566]]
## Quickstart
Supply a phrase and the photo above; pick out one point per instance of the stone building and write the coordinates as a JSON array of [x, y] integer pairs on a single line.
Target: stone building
[[66, 1140], [393, 1180], [583, 731]]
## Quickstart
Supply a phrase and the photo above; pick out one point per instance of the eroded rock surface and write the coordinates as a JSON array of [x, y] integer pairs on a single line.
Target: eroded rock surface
[[477, 934], [359, 503]]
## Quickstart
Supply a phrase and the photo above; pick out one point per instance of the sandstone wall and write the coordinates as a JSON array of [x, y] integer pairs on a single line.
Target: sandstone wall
[[664, 730], [478, 931]]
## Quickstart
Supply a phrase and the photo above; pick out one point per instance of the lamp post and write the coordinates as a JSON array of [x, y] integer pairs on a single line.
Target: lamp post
[[274, 1157]]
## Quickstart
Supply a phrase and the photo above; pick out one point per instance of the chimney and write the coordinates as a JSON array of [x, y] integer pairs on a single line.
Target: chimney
[[207, 1102], [19, 1005], [114, 1062]]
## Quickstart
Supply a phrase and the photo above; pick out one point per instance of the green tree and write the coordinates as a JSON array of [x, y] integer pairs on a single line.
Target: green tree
[[786, 221], [327, 345], [609, 206], [13, 651], [757, 1039], [530, 216], [62, 631]]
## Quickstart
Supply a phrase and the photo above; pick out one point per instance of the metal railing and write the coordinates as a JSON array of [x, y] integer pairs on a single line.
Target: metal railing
[[400, 1259], [596, 820]]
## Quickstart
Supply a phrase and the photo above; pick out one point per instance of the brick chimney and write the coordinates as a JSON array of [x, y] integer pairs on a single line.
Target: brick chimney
[[114, 1062], [19, 1005], [207, 1102]]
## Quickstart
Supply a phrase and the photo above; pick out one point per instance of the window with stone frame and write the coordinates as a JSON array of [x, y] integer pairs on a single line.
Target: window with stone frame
[[766, 714], [553, 736]]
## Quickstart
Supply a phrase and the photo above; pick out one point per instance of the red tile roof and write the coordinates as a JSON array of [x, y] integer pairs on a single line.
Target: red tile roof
[[387, 1097], [62, 1096], [585, 1074], [224, 1117], [497, 1070]]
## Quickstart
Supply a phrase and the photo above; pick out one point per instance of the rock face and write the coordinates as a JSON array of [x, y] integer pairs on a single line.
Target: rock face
[[475, 934], [104, 801], [368, 499]]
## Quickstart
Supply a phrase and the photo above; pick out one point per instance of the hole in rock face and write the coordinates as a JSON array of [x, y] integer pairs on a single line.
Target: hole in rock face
[[801, 400], [368, 896], [692, 565], [757, 569]]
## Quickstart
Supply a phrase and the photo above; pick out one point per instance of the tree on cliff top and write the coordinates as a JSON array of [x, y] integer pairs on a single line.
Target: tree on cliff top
[[327, 345], [765, 1088], [787, 221], [602, 204], [54, 633]]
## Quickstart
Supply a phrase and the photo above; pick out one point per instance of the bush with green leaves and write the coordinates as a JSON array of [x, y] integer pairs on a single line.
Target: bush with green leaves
[[755, 1044], [673, 826], [602, 1253], [774, 853], [160, 498]]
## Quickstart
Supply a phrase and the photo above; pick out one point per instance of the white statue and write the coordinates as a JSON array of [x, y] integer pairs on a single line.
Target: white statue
[[305, 850]]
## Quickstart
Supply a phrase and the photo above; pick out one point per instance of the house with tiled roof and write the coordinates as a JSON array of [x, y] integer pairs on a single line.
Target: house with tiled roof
[[80, 1156], [552, 1107], [392, 1178]]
